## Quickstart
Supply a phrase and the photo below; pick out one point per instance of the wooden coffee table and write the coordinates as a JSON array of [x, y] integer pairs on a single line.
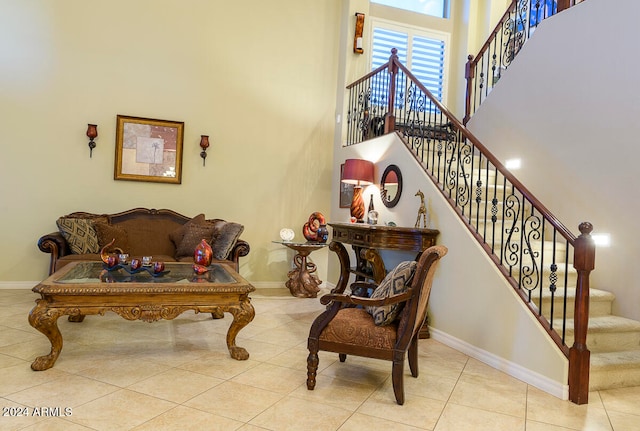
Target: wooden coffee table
[[86, 288]]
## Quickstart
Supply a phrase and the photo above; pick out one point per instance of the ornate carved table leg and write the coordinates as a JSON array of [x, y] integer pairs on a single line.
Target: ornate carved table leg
[[343, 257], [302, 282], [242, 315], [46, 321]]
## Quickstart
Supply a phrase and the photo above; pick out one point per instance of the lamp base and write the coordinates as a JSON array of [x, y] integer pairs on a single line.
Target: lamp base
[[357, 204]]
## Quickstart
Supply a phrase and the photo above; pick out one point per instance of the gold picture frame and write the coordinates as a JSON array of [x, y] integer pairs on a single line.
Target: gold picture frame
[[148, 150]]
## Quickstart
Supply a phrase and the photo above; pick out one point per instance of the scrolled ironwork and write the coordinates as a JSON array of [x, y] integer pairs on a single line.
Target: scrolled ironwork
[[529, 245], [530, 273]]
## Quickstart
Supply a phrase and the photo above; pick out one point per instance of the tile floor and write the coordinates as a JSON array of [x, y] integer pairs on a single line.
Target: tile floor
[[114, 374]]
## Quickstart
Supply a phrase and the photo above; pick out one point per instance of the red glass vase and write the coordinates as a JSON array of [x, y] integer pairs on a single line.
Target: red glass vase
[[203, 254]]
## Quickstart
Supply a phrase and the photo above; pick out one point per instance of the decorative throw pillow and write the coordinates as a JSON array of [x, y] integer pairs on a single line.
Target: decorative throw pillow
[[396, 282], [176, 235], [192, 237], [224, 238], [80, 234], [108, 232]]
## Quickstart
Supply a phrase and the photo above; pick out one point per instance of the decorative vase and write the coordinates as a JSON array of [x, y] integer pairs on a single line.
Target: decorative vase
[[158, 267], [310, 228], [357, 204], [322, 234], [203, 254]]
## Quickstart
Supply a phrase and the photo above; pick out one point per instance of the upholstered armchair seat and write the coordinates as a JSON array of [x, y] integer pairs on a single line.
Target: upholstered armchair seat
[[349, 326], [352, 327]]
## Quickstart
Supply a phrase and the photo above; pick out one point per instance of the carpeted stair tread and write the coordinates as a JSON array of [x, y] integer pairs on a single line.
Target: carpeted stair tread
[[609, 324], [594, 294], [615, 360]]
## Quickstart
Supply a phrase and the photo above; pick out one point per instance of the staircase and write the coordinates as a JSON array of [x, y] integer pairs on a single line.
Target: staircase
[[614, 341], [547, 265]]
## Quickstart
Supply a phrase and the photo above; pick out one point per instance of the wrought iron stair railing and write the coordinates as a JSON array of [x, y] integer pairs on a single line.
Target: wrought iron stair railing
[[543, 261], [484, 70]]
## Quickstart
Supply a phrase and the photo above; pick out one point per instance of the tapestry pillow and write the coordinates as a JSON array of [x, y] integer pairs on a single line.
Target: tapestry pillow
[[176, 235], [224, 238], [108, 232], [79, 233], [193, 234], [396, 282]]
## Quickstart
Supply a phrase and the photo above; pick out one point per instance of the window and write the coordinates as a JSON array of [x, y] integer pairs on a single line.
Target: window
[[437, 8], [422, 52]]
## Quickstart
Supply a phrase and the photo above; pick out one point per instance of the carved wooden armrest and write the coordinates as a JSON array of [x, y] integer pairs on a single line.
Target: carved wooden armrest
[[357, 300], [240, 249], [53, 243]]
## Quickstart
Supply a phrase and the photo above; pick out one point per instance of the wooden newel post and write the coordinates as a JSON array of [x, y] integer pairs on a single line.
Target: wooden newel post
[[584, 258], [390, 118], [563, 4], [469, 74]]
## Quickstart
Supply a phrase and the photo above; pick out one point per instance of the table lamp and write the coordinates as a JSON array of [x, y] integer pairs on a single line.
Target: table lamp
[[359, 173]]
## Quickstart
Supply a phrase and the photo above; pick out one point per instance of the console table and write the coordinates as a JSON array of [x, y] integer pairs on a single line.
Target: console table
[[366, 240]]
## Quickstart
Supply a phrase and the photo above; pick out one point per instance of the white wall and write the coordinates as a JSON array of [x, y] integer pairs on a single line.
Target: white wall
[[568, 107], [472, 307], [259, 79]]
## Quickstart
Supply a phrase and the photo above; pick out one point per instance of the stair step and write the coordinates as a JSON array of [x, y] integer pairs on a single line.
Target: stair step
[[608, 334], [614, 370], [600, 302]]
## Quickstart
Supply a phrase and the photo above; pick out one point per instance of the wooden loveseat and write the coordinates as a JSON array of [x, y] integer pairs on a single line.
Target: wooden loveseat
[[162, 233]]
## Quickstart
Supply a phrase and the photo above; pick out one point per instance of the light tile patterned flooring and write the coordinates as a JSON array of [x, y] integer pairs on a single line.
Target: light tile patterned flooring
[[177, 375]]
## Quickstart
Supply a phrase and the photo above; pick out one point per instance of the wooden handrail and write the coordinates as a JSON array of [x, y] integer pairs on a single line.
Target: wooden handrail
[[584, 249], [472, 61], [566, 233]]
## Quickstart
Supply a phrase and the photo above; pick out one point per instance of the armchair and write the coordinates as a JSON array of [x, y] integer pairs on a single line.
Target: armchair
[[346, 329]]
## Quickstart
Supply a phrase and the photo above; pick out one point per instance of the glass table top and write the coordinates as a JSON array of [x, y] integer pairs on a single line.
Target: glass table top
[[95, 272]]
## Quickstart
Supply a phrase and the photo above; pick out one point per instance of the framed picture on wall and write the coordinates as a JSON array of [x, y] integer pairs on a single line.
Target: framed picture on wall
[[148, 150], [346, 191]]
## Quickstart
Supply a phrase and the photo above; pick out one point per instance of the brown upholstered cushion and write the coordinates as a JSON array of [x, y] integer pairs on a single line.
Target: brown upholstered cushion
[[177, 234], [79, 233], [224, 238], [193, 234], [107, 232], [354, 326], [149, 236], [396, 282]]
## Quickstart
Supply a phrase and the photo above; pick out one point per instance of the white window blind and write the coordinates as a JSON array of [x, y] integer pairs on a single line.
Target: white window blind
[[421, 52]]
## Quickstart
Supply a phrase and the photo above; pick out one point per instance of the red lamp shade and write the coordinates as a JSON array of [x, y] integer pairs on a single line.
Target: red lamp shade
[[391, 178], [358, 172]]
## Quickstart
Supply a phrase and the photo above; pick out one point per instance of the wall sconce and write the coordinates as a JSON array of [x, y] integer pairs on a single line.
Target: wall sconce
[[92, 133], [360, 173], [357, 39], [204, 144]]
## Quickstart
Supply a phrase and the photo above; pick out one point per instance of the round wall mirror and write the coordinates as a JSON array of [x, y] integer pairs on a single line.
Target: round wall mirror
[[391, 186]]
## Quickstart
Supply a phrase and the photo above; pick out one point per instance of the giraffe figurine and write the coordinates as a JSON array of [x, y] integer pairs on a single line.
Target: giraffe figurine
[[422, 211]]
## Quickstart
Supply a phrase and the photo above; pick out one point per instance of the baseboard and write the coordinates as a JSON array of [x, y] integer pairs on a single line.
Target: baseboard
[[532, 378], [17, 284]]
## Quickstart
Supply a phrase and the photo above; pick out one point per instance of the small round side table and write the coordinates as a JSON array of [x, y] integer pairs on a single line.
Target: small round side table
[[302, 282]]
